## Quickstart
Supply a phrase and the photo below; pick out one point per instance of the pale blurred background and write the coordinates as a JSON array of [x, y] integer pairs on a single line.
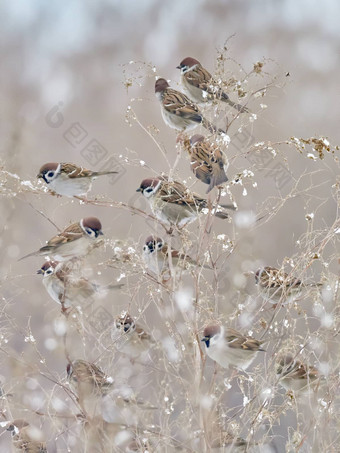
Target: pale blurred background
[[74, 56]]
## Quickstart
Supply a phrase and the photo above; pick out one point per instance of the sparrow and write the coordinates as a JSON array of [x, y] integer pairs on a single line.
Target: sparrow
[[173, 204], [228, 347], [200, 85], [139, 446], [295, 375], [178, 111], [67, 289], [156, 256], [69, 179], [207, 161], [86, 378], [75, 241], [277, 286], [130, 338], [228, 443], [25, 437]]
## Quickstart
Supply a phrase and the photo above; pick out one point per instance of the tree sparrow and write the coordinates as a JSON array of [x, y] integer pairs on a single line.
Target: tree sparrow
[[130, 338], [68, 179], [228, 443], [173, 204], [67, 289], [277, 286], [25, 437], [207, 161], [295, 375], [228, 347], [86, 378], [75, 241], [200, 86], [156, 256], [178, 111]]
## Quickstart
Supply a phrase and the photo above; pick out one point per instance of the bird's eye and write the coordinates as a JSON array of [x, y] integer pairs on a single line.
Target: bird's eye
[[149, 189], [159, 245], [50, 174], [49, 272]]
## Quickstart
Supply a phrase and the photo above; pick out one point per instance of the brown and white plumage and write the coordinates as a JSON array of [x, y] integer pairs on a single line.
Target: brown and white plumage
[[86, 378], [75, 241], [156, 257], [173, 204], [200, 85], [130, 338], [275, 285], [69, 179], [178, 111], [68, 289], [26, 438], [296, 375], [207, 161], [229, 347]]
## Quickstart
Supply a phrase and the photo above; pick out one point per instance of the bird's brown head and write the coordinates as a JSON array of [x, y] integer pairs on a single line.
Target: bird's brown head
[[210, 331], [187, 63], [48, 268], [197, 138], [48, 171], [91, 226], [153, 243], [148, 186], [161, 85]]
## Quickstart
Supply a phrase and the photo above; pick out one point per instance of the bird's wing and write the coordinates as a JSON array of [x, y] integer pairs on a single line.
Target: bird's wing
[[71, 233], [238, 341], [200, 78], [179, 104], [73, 171]]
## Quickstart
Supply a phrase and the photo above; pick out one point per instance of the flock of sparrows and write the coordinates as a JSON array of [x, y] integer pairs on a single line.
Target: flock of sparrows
[[175, 207]]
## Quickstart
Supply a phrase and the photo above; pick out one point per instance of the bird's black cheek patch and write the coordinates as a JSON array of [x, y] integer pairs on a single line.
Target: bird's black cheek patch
[[207, 343]]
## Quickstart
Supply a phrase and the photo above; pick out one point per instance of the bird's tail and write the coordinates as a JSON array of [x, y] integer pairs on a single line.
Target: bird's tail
[[27, 256], [114, 287], [219, 177], [221, 214], [103, 173], [211, 128], [239, 107]]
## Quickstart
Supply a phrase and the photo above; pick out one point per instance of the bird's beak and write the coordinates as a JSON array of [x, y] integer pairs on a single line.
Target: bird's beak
[[101, 233], [39, 175], [139, 189], [40, 271], [178, 67], [204, 339]]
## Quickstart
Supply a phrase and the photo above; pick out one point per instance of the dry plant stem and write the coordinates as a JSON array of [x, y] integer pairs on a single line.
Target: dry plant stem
[[152, 137], [45, 217], [118, 204]]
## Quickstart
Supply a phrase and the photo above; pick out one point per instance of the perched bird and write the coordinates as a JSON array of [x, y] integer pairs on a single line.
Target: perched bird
[[86, 378], [156, 257], [200, 85], [295, 375], [26, 438], [173, 204], [226, 442], [69, 179], [130, 338], [228, 347], [75, 241], [139, 446], [277, 286], [207, 161], [67, 289], [178, 111]]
